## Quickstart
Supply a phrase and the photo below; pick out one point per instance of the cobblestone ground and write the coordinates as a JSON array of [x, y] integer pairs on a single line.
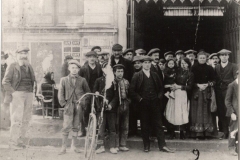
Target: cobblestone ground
[[51, 153]]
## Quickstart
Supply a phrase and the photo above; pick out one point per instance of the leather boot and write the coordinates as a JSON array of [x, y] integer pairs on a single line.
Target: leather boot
[[64, 145]]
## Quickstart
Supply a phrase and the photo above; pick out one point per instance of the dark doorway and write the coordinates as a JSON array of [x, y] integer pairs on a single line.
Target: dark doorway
[[154, 30]]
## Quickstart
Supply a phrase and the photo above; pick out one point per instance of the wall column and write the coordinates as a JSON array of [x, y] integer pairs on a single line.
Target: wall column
[[122, 22]]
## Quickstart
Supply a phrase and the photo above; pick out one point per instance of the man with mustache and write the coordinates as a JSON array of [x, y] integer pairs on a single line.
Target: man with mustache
[[214, 59], [19, 84]]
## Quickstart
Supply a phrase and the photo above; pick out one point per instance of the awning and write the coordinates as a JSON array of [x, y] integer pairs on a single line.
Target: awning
[[192, 1]]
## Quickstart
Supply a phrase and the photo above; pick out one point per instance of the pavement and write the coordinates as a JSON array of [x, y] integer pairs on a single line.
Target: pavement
[[51, 153]]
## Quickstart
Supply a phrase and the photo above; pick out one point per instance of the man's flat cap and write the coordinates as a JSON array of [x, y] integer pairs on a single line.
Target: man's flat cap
[[74, 61], [21, 49], [224, 51], [154, 50], [68, 57], [117, 47], [146, 58], [119, 66], [136, 58], [102, 53], [140, 51], [128, 50], [190, 51], [96, 47], [91, 53], [212, 55], [168, 53], [179, 52]]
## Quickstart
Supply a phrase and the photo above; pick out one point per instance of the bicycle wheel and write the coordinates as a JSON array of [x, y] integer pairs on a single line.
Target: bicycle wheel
[[90, 137]]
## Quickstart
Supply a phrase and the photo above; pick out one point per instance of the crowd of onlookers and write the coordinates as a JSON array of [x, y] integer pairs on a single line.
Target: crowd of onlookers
[[195, 93]]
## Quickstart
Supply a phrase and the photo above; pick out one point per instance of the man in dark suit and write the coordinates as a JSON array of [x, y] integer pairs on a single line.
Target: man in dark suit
[[146, 89], [231, 103], [117, 58], [154, 54], [226, 73], [91, 70]]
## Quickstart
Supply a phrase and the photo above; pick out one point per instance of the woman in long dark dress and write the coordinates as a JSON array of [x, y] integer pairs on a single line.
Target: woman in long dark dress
[[201, 125], [177, 109]]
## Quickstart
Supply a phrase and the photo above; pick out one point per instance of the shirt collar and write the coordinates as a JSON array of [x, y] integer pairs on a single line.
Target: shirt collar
[[154, 63], [224, 64], [147, 72], [237, 80], [74, 76]]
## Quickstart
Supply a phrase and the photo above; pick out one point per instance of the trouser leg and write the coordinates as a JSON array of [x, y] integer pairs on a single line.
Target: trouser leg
[[27, 114], [101, 132], [111, 120], [16, 113], [156, 120], [233, 125], [124, 126], [145, 123]]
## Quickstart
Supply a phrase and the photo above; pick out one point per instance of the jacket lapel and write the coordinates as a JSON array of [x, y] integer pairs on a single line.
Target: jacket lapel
[[235, 87], [19, 71], [226, 69], [70, 82]]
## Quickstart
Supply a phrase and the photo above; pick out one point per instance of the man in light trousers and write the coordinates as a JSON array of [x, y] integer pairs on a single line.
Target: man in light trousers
[[19, 85]]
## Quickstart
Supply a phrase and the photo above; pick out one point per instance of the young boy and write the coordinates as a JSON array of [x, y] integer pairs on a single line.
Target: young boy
[[118, 114], [71, 89]]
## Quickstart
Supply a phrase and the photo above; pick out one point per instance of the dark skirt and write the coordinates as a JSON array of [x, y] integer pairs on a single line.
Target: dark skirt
[[200, 113]]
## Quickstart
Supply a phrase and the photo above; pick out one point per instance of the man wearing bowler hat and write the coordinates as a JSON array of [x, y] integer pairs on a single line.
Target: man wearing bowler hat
[[117, 58], [128, 54], [226, 73], [146, 89], [91, 70], [19, 82]]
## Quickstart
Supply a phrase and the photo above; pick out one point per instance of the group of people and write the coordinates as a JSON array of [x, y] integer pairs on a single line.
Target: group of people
[[183, 91]]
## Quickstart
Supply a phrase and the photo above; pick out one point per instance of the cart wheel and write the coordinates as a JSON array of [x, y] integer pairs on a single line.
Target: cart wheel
[[90, 137]]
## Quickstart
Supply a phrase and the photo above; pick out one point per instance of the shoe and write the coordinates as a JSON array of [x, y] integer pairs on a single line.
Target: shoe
[[182, 135], [117, 149], [113, 150], [166, 149], [100, 150], [123, 149]]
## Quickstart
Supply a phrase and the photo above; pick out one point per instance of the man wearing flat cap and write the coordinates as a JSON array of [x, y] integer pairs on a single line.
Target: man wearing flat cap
[[65, 72], [140, 52], [168, 55], [96, 49], [91, 70], [118, 110], [117, 58], [146, 89], [179, 55], [214, 59], [19, 83], [191, 55], [226, 73], [71, 89], [128, 54], [154, 54]]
